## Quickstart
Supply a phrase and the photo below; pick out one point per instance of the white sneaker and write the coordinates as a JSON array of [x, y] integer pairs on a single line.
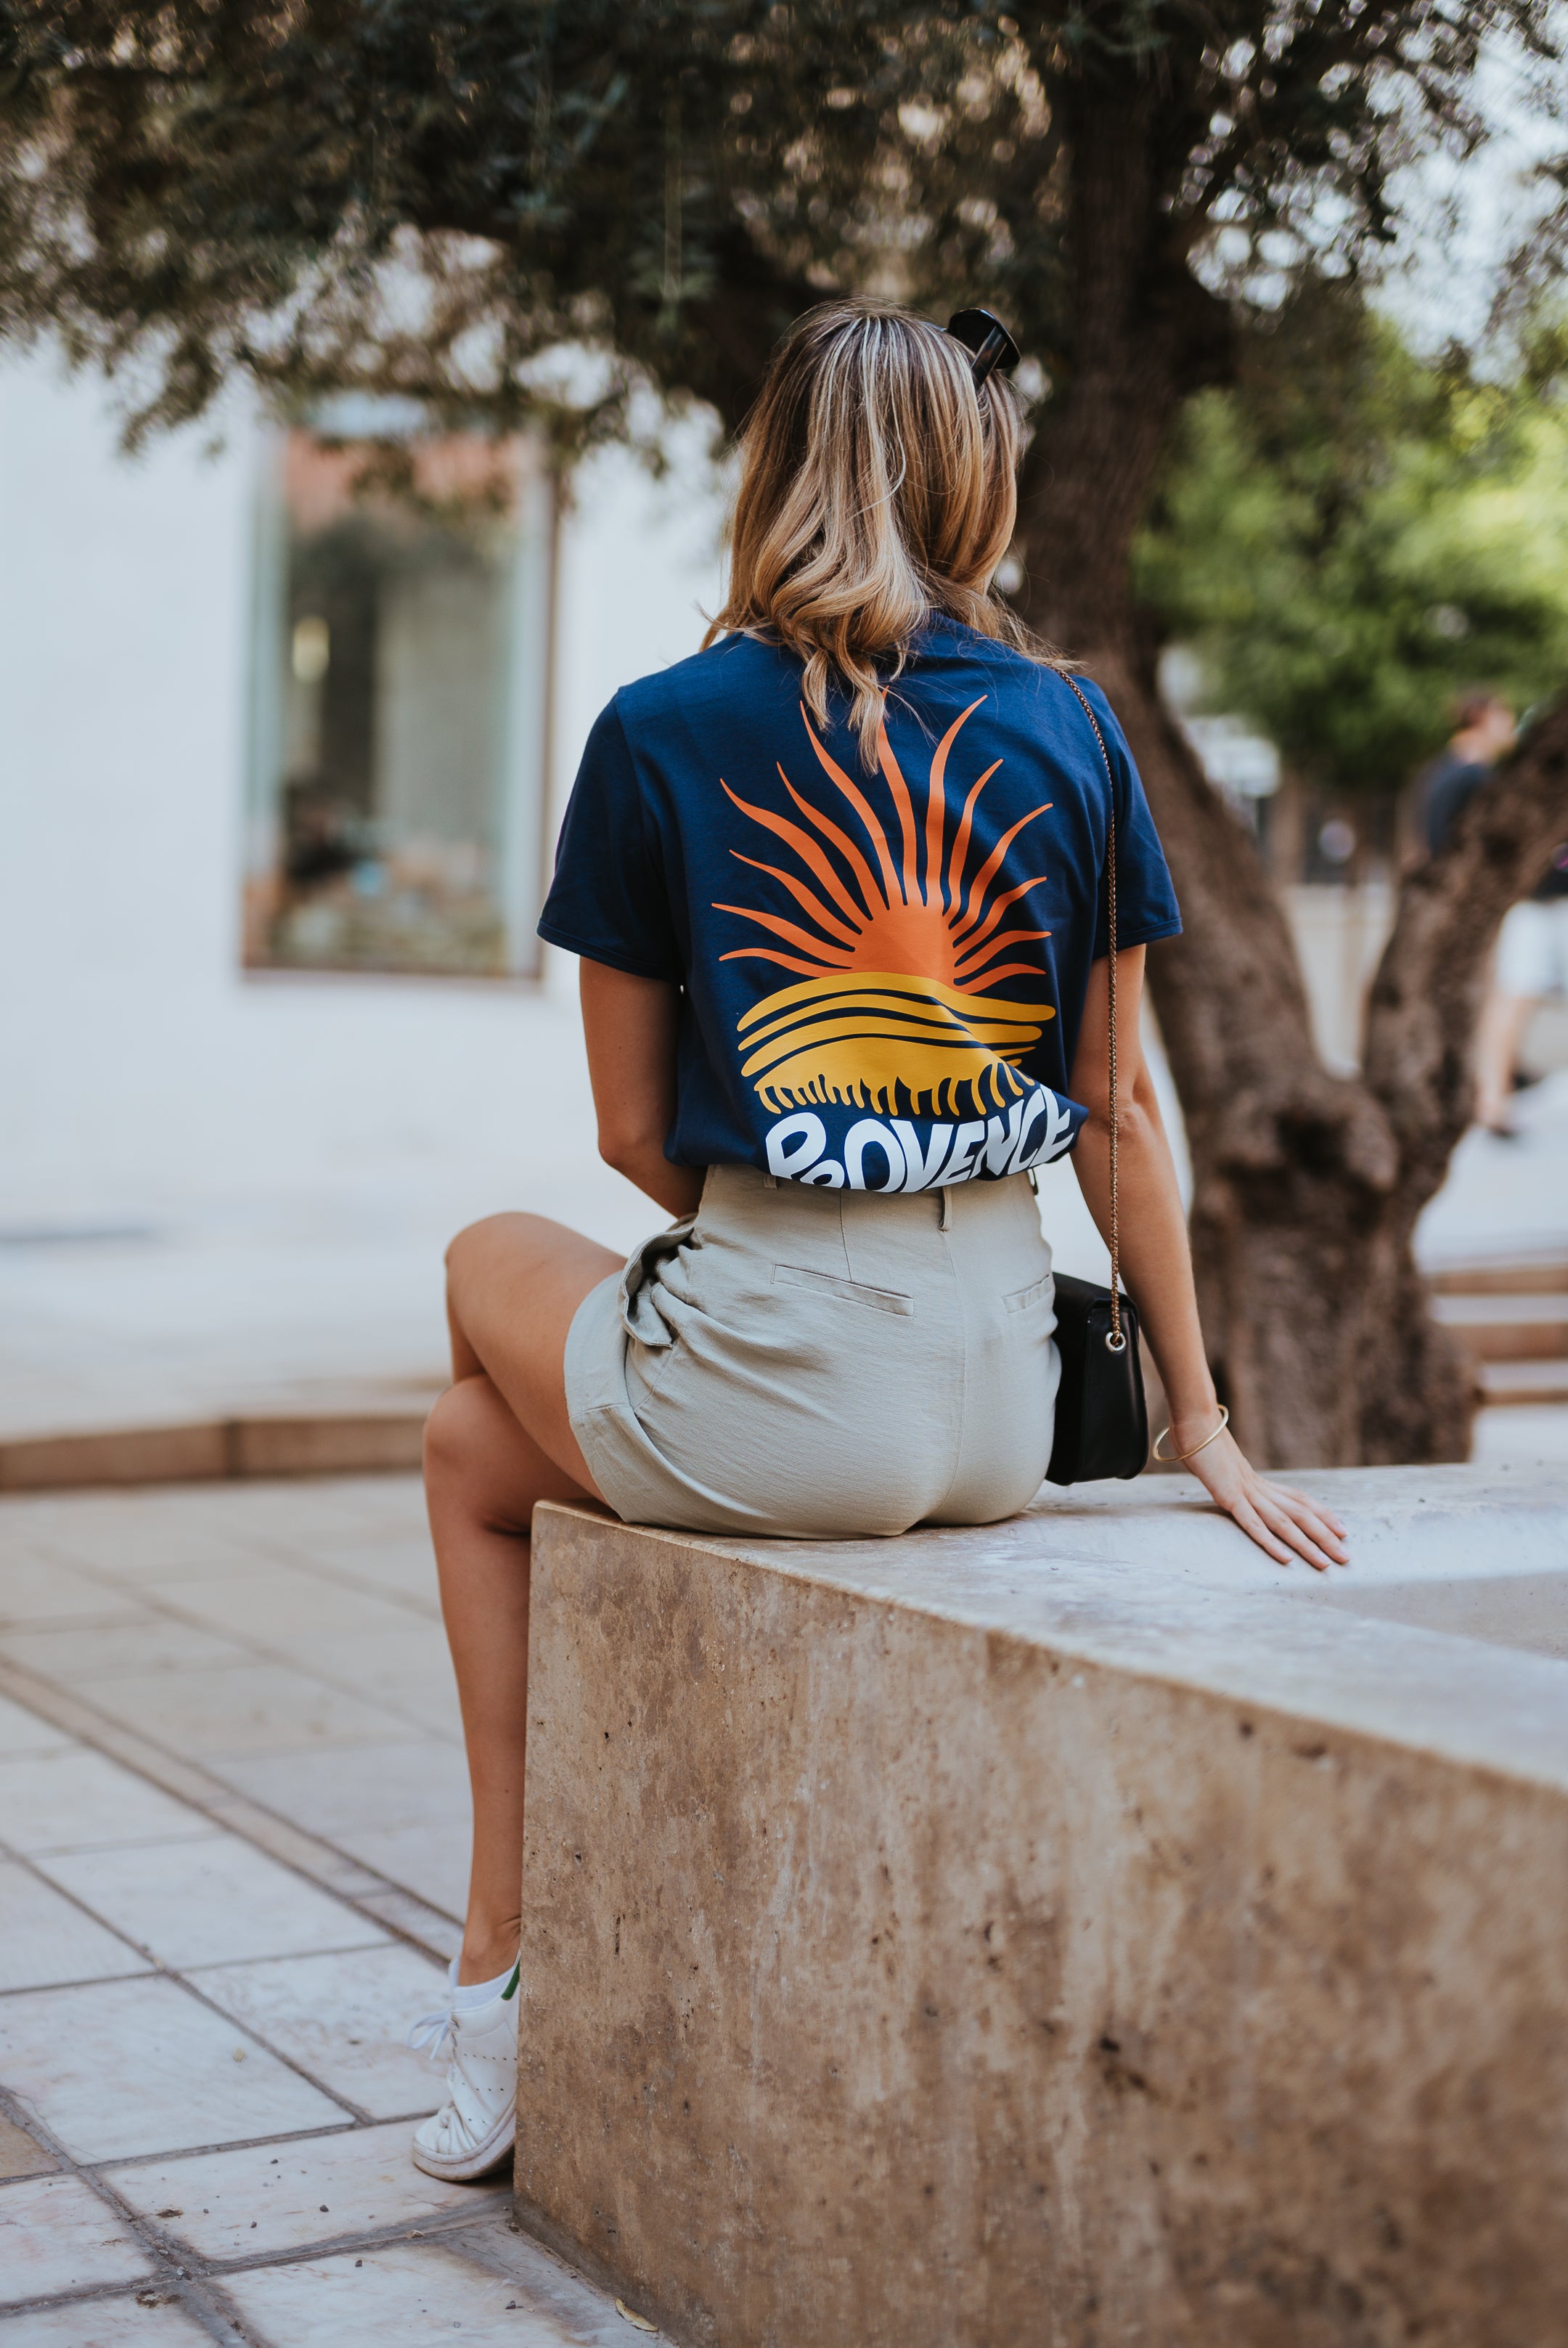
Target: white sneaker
[[477, 2126]]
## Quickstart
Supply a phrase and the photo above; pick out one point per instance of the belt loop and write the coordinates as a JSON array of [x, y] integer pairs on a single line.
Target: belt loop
[[770, 1182], [945, 1221]]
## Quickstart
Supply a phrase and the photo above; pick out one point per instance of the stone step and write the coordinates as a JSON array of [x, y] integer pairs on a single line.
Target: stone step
[[1523, 1382], [1522, 1276], [1506, 1328], [362, 1440], [1073, 1927]]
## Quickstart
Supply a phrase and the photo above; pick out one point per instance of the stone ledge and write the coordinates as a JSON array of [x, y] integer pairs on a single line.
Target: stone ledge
[[1072, 1929], [309, 1443]]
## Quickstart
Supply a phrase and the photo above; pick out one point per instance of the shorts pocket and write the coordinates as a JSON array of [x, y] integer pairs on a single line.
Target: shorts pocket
[[848, 1292], [640, 1281], [1039, 1292]]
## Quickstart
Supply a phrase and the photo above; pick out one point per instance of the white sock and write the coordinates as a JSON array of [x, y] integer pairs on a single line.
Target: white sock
[[474, 1993]]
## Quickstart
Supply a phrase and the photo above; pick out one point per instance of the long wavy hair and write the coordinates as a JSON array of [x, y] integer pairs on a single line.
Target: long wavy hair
[[877, 486]]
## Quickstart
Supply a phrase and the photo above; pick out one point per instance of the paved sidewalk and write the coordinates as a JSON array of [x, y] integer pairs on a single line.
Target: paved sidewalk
[[233, 1828]]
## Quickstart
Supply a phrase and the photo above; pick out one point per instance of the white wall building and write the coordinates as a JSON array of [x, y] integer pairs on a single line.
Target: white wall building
[[161, 685]]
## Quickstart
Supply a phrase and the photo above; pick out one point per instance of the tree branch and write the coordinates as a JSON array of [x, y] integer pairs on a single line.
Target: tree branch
[[1426, 998]]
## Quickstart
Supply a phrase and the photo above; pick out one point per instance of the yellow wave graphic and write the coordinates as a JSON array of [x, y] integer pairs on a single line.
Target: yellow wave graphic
[[879, 1039]]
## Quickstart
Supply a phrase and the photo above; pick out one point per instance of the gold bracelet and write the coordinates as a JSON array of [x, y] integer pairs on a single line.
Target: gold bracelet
[[1169, 1459]]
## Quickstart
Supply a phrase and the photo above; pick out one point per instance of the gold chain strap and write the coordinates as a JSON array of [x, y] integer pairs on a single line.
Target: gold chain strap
[[1116, 1341]]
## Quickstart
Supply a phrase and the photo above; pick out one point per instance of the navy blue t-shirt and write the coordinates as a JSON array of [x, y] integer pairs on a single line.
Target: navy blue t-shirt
[[883, 973]]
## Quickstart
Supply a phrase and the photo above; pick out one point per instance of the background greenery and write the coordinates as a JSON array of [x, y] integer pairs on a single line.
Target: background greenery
[[1350, 535]]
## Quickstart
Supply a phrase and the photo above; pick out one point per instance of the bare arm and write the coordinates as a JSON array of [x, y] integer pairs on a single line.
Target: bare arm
[[1157, 1270], [632, 1025]]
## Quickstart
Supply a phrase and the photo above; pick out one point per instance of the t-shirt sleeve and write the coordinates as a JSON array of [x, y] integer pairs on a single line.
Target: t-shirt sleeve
[[608, 900], [1146, 906]]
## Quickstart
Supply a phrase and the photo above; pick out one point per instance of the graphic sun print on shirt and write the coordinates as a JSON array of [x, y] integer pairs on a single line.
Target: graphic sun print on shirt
[[891, 1012]]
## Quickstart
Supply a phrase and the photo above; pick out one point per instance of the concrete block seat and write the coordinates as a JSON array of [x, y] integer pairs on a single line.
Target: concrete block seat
[[1078, 1931]]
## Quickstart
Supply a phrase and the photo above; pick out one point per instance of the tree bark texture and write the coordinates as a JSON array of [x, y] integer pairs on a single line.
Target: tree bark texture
[[1307, 1184]]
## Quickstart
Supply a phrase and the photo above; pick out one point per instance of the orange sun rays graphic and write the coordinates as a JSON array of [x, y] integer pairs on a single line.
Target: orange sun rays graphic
[[888, 1011]]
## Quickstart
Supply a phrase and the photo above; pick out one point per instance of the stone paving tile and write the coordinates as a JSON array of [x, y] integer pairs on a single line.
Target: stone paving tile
[[425, 1696], [429, 1860], [540, 2279], [19, 2155], [366, 1508], [77, 1800], [408, 1655], [45, 1938], [208, 1902], [404, 1566], [105, 2323], [405, 1669], [337, 1507], [120, 1533], [421, 1782], [137, 2067], [129, 1535], [125, 1577], [291, 1514], [57, 2235], [265, 2199], [411, 2293], [253, 1708], [40, 1589], [131, 1644], [342, 2018], [24, 1732], [283, 1606]]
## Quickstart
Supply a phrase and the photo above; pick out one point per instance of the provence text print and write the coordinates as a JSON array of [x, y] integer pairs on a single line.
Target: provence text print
[[1034, 1131]]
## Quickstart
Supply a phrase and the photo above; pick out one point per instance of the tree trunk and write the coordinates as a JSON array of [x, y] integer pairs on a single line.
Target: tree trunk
[[1307, 1185], [1425, 1000], [1300, 1242]]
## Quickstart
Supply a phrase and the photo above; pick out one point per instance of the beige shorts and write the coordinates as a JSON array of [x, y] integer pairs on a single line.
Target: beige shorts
[[1532, 948], [800, 1361]]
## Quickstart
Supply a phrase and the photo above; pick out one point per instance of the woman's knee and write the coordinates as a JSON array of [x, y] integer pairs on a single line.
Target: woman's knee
[[479, 1459], [457, 1434], [492, 1234]]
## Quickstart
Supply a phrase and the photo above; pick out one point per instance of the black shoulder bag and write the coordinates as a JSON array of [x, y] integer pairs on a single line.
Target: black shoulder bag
[[1102, 1418]]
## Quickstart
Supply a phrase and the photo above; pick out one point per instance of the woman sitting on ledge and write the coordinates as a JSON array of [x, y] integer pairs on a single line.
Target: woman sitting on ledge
[[839, 887]]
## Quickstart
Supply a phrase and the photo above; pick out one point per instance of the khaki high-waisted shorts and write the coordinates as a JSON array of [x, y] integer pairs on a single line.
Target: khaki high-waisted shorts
[[823, 1362]]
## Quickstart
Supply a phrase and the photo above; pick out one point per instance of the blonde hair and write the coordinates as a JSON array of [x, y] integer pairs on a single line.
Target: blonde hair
[[877, 486]]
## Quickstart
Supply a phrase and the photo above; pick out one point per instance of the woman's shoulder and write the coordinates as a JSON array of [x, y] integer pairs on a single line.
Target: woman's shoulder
[[715, 676], [1035, 688]]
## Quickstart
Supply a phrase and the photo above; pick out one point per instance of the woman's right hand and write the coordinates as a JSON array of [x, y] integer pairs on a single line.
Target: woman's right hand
[[1281, 1520]]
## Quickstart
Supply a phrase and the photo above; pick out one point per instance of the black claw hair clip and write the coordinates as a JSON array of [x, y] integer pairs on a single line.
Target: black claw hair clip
[[990, 345]]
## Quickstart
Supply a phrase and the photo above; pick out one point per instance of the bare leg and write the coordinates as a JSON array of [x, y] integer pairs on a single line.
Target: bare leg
[[1499, 1035], [498, 1441]]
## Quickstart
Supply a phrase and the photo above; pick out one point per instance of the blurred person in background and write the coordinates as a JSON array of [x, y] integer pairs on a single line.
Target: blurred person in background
[[1532, 946], [1484, 731]]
